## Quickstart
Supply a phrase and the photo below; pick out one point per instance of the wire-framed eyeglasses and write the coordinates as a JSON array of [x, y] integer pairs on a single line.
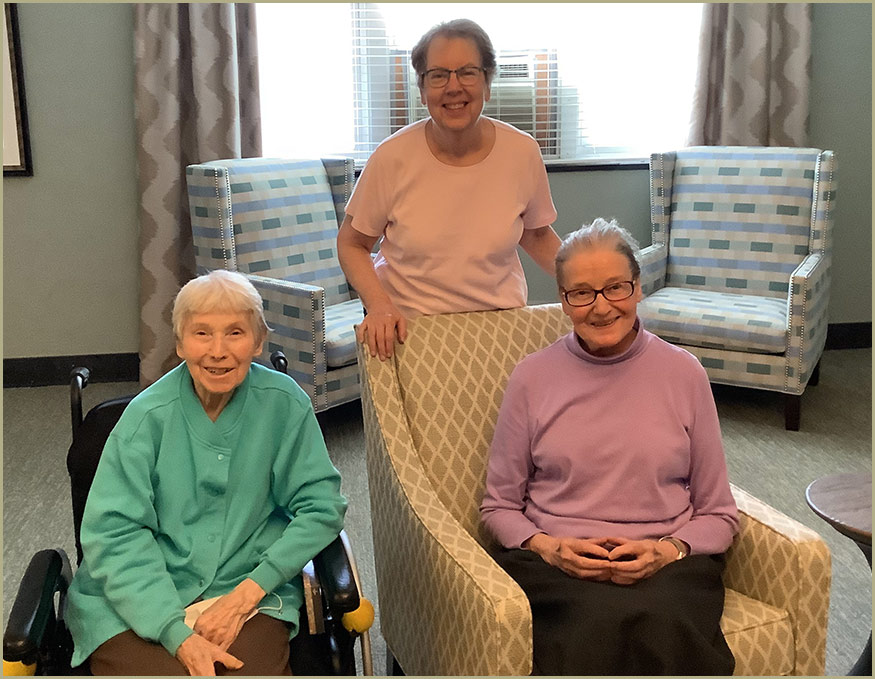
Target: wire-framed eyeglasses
[[615, 292], [439, 77]]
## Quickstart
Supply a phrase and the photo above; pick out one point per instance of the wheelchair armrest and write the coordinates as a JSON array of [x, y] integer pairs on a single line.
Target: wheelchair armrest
[[336, 573], [33, 610]]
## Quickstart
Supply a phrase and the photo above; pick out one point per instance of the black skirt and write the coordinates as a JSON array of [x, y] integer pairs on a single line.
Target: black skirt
[[667, 624]]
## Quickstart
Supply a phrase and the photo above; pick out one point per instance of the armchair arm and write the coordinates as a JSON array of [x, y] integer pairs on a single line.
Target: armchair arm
[[661, 184], [32, 620], [781, 562], [653, 261], [807, 317], [446, 608], [341, 177], [295, 313]]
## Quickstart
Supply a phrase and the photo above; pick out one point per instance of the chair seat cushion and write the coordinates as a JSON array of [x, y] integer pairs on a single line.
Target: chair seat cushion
[[717, 320], [758, 633], [339, 332]]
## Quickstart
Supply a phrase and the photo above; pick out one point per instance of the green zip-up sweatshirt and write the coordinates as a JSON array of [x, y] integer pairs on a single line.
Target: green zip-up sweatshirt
[[184, 508]]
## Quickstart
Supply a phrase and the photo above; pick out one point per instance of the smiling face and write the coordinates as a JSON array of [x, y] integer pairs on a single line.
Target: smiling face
[[454, 107], [218, 349], [605, 328]]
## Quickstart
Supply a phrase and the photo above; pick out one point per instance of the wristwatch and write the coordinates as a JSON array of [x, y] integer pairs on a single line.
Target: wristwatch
[[683, 549]]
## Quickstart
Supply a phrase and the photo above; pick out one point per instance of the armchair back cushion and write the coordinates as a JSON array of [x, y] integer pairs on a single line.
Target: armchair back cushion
[[277, 219], [741, 218]]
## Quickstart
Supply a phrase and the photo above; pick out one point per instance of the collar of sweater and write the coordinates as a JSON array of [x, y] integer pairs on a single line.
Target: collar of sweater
[[637, 346], [200, 424]]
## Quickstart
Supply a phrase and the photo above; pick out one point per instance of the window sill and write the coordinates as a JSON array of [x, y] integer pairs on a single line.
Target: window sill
[[577, 165], [600, 164]]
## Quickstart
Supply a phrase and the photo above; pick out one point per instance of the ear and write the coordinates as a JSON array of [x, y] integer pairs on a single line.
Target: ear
[[567, 309], [639, 295], [487, 95], [422, 96], [179, 350]]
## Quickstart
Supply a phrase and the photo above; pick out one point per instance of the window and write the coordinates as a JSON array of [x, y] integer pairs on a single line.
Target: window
[[587, 81]]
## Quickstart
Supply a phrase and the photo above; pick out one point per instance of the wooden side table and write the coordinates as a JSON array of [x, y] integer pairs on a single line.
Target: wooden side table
[[844, 501]]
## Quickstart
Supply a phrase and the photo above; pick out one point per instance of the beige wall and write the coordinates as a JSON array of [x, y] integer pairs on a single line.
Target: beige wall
[[70, 263]]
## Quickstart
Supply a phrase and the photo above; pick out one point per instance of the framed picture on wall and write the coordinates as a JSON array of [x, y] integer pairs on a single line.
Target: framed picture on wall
[[16, 137]]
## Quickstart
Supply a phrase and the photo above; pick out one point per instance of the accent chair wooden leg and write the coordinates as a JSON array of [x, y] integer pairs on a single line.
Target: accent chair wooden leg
[[792, 408], [815, 375]]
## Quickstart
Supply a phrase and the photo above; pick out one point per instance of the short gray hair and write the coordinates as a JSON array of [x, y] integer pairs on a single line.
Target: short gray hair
[[223, 292], [457, 28], [599, 233]]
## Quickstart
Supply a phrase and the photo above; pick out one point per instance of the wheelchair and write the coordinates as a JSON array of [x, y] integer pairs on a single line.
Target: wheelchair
[[36, 640]]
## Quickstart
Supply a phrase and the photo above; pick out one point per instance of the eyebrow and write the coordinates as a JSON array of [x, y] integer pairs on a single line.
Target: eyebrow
[[610, 281], [206, 326], [444, 68]]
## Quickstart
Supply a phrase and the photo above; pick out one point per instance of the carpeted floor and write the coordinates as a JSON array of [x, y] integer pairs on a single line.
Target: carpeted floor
[[763, 458]]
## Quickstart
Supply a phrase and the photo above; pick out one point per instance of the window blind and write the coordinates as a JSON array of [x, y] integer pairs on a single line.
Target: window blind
[[587, 81]]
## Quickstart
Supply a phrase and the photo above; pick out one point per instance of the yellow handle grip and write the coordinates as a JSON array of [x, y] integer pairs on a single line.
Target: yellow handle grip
[[361, 619], [18, 669]]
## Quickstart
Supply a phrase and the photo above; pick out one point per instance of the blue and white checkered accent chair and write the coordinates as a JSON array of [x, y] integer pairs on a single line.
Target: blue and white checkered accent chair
[[276, 221], [738, 272]]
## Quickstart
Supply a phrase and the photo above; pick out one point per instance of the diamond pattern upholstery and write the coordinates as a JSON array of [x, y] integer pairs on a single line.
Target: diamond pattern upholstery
[[276, 221], [738, 271], [446, 608]]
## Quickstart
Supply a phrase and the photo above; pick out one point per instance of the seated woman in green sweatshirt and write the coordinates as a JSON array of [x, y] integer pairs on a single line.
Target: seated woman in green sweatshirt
[[214, 485]]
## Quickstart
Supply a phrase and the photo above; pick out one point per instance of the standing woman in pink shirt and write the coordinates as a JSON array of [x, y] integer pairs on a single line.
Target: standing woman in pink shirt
[[607, 490], [451, 197]]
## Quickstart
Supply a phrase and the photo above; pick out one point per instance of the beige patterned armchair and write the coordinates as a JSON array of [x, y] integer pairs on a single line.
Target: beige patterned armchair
[[446, 608]]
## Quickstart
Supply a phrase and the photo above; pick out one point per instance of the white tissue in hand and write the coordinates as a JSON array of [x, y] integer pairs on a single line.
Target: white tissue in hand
[[193, 612]]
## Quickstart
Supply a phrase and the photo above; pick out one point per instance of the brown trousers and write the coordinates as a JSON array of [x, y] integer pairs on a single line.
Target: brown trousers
[[262, 645]]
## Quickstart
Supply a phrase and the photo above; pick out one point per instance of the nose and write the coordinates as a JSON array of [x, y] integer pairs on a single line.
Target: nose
[[600, 302], [217, 346], [453, 85]]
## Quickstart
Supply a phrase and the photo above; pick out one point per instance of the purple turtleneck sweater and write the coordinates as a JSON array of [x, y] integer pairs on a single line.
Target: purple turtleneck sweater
[[624, 446]]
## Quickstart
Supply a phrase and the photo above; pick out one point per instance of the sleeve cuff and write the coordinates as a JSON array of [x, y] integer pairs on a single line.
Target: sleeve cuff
[[512, 534], [711, 539], [174, 634], [267, 577]]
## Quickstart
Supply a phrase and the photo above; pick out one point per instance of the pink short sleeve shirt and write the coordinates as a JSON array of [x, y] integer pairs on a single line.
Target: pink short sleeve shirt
[[450, 234]]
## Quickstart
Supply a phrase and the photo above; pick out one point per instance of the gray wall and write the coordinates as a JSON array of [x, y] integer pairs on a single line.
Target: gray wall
[[70, 263], [70, 232], [841, 119]]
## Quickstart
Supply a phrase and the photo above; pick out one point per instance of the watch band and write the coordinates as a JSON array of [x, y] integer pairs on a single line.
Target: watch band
[[680, 544]]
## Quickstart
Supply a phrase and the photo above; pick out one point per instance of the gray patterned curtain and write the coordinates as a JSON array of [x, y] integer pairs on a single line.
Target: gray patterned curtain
[[753, 77], [196, 99]]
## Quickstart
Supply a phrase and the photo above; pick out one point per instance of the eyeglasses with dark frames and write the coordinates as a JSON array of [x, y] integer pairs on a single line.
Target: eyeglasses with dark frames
[[615, 292], [439, 77]]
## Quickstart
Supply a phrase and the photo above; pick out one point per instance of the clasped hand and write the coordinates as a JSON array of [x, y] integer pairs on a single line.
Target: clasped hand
[[217, 628], [615, 559]]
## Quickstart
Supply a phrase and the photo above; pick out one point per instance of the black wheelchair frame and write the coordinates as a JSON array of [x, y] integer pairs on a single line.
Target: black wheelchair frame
[[37, 638]]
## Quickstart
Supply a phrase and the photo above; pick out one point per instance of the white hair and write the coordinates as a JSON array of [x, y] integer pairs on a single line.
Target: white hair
[[219, 291], [598, 234]]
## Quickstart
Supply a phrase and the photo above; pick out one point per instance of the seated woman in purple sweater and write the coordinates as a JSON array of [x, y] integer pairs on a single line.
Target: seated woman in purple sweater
[[607, 488]]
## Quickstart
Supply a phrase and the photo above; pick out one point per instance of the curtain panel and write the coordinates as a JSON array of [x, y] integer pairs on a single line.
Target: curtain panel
[[752, 85], [196, 99]]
